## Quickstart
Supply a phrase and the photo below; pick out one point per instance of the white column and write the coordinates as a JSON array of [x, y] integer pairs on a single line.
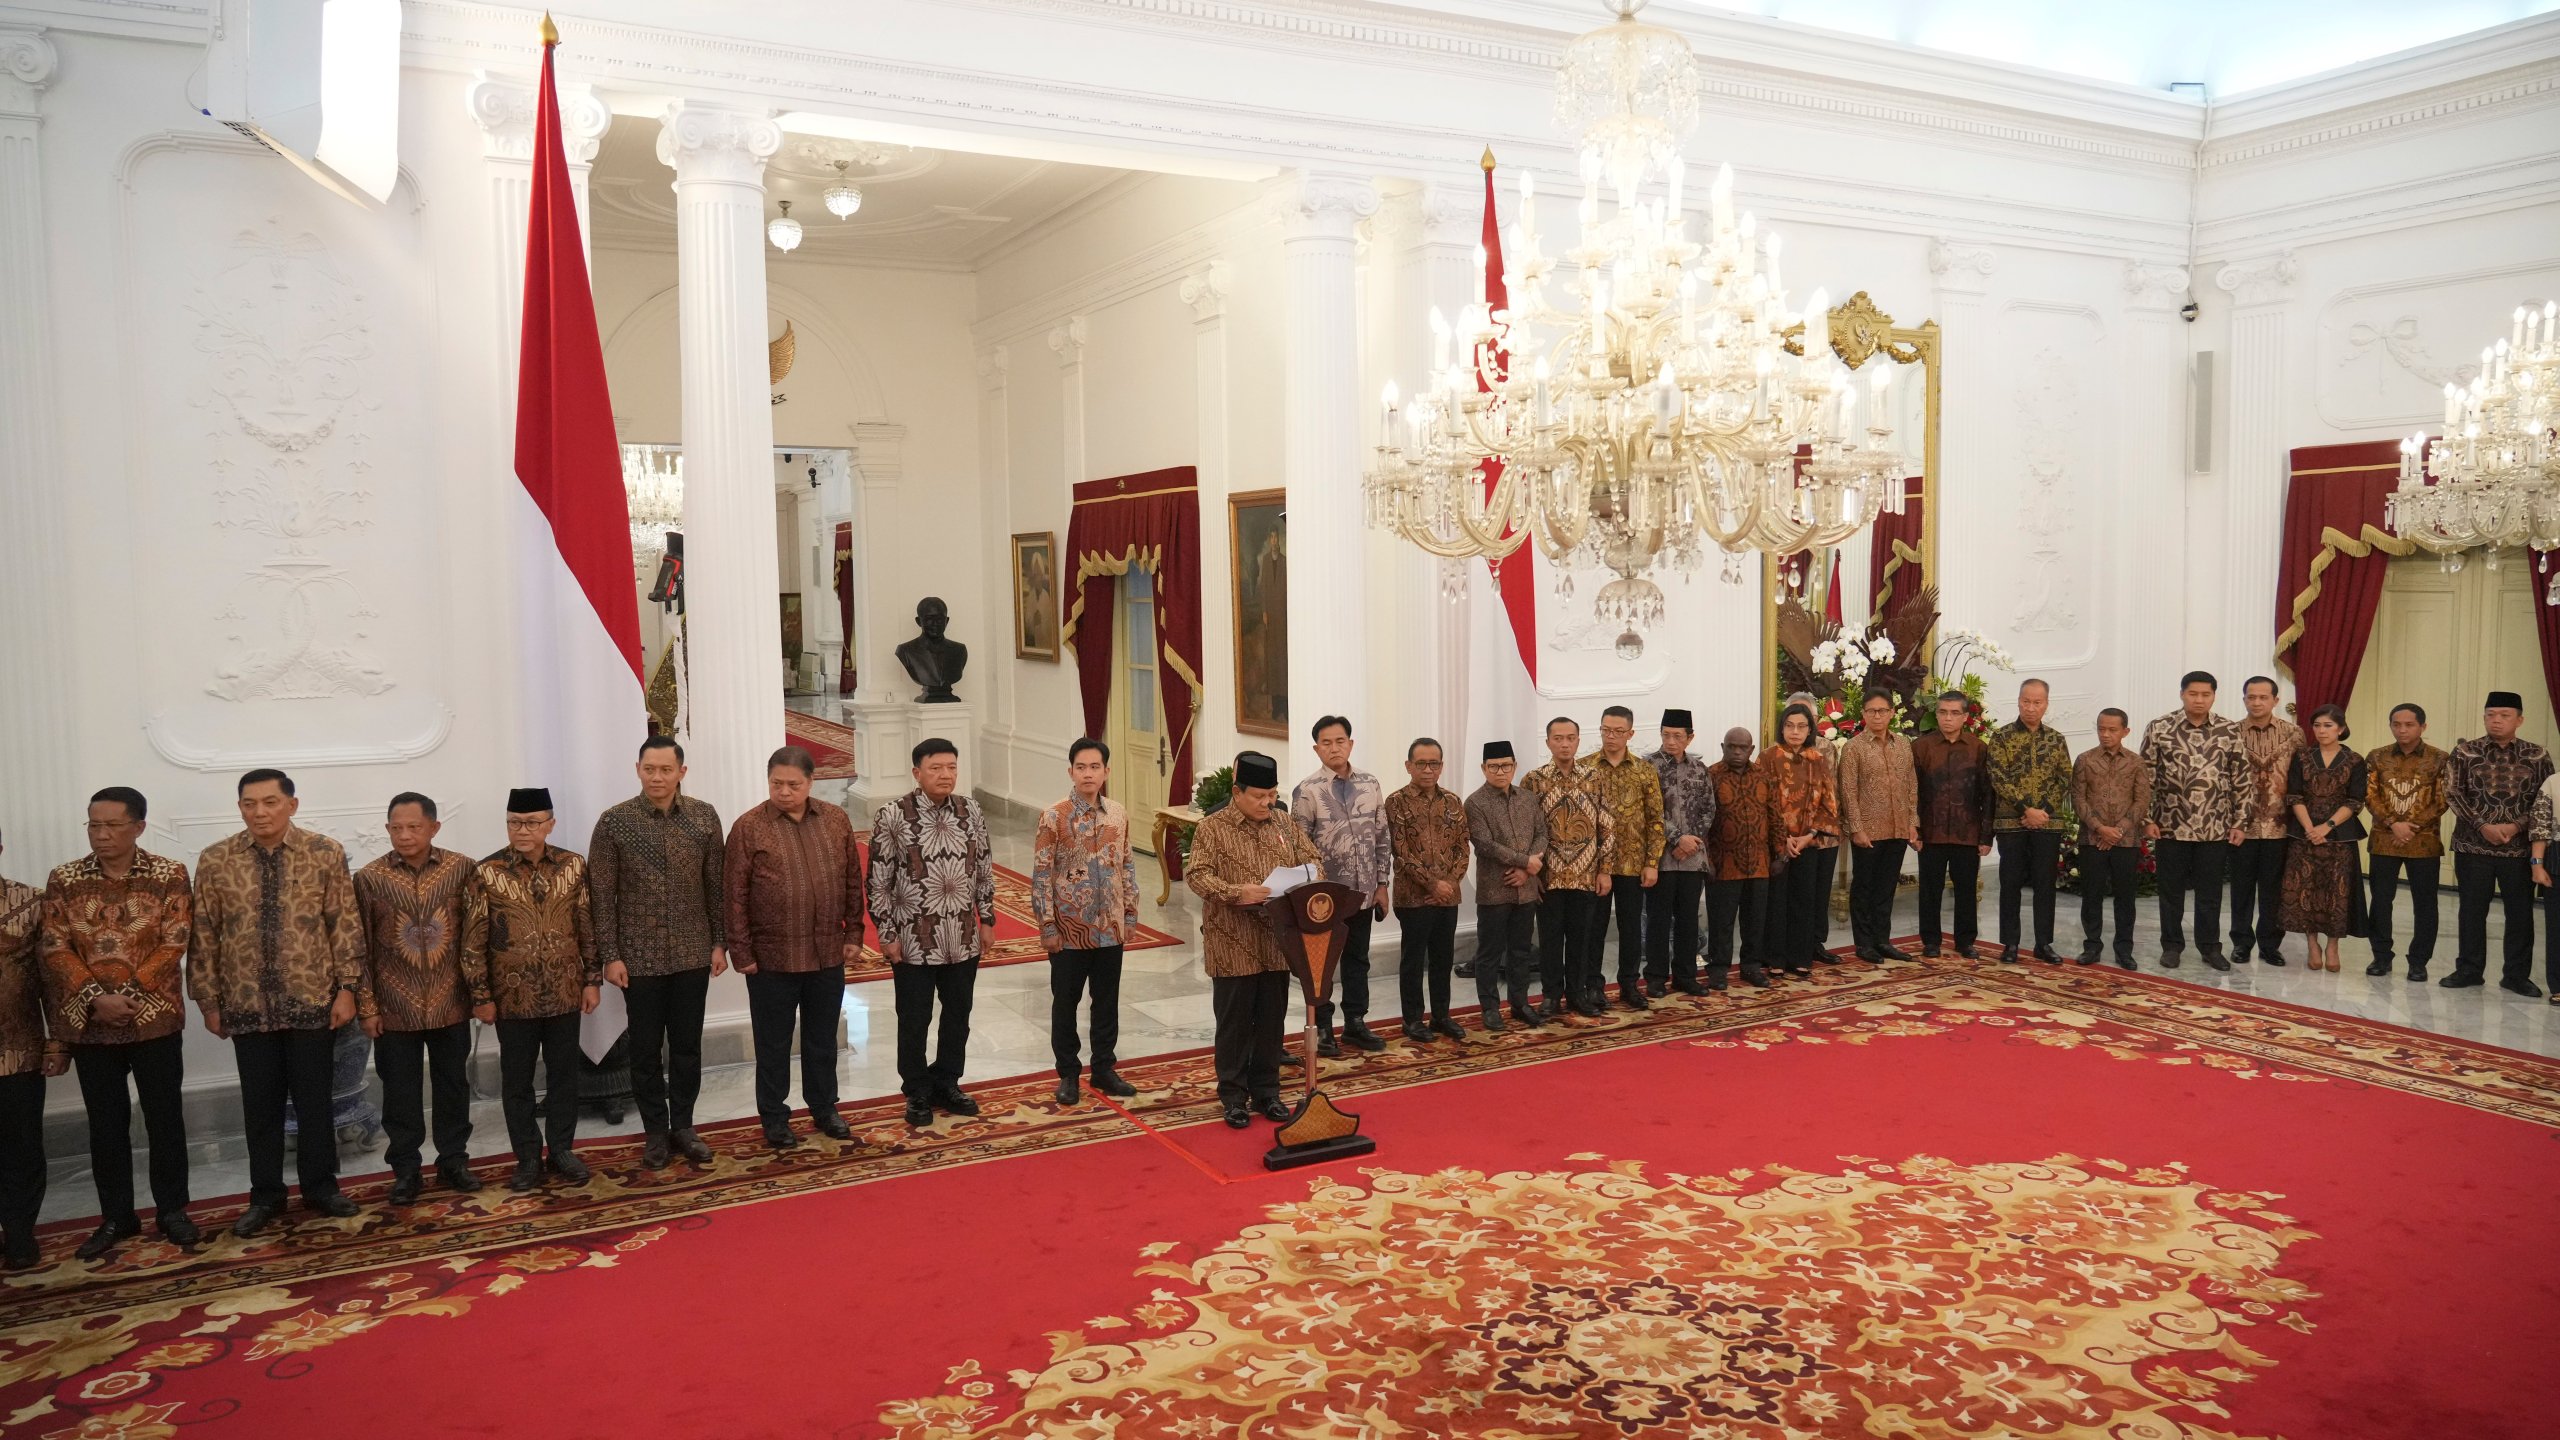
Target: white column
[[994, 770], [2254, 467], [883, 696], [1967, 457], [1436, 267], [1205, 290], [1320, 443], [733, 653], [2146, 624], [40, 805], [1066, 341]]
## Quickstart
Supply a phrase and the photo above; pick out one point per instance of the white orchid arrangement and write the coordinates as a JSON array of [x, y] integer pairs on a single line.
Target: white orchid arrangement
[[1850, 657], [1959, 651]]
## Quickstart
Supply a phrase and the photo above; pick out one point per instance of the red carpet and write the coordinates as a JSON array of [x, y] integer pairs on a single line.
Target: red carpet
[[1017, 934], [829, 743], [1927, 1202]]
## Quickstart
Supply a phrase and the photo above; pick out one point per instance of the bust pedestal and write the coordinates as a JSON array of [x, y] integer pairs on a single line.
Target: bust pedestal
[[886, 732]]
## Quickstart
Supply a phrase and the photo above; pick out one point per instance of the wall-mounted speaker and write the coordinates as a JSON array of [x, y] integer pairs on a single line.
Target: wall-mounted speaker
[[2200, 412]]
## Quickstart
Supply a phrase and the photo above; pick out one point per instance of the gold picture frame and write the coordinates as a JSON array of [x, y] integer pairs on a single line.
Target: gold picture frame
[[1258, 572], [1861, 332], [1036, 616]]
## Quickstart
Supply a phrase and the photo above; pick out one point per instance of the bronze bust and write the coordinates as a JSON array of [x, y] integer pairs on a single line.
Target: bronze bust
[[933, 660]]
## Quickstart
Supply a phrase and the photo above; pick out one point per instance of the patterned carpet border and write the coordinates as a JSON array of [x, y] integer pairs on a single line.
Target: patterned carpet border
[[827, 742], [1017, 934]]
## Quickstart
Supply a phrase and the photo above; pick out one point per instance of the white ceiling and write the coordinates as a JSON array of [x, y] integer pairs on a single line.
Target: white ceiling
[[919, 206]]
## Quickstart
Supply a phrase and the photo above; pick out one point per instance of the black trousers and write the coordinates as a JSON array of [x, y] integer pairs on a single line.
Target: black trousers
[[553, 1041], [1253, 1016], [919, 989], [404, 1058], [2107, 875], [1873, 872], [2257, 883], [1430, 949], [1730, 903], [813, 1000], [1504, 952], [1800, 918], [665, 1014], [2191, 865], [2510, 878], [1626, 898], [1071, 974], [1671, 927], [22, 1164], [1351, 977], [2029, 859], [2424, 876], [273, 1065], [1944, 867], [158, 1070], [1570, 930]]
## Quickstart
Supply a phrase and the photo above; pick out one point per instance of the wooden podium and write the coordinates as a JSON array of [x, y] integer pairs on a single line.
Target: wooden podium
[[1310, 922]]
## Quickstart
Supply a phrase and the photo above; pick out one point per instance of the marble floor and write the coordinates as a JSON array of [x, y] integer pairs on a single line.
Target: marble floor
[[1165, 1007]]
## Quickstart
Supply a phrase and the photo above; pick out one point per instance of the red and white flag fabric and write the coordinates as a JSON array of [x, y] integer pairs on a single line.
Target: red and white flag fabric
[[582, 713], [1515, 573]]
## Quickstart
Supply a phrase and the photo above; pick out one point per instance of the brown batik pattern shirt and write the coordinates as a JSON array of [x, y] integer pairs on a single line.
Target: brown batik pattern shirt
[[2493, 784], [2111, 788], [414, 916], [1879, 790], [1579, 826], [2406, 786], [1747, 836], [1632, 791], [655, 879], [276, 932], [2198, 774], [2268, 746], [1808, 795], [1228, 853], [794, 888], [22, 1043], [1428, 831], [116, 937], [1956, 798], [528, 946]]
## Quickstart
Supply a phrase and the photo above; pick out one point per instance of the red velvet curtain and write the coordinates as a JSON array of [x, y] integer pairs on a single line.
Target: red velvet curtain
[[844, 604], [1152, 521], [1894, 576], [2330, 570], [2546, 627]]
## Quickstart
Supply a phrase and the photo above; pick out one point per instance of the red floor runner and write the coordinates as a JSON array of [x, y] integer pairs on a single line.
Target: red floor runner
[[1926, 1203]]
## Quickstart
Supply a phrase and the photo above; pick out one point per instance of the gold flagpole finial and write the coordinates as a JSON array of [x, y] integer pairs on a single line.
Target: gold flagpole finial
[[1487, 161], [550, 32]]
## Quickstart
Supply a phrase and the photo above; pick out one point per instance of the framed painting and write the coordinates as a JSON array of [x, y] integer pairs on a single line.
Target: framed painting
[[1258, 558], [1035, 596]]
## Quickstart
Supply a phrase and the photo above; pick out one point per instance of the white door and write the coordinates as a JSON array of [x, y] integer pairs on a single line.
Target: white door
[[2442, 640]]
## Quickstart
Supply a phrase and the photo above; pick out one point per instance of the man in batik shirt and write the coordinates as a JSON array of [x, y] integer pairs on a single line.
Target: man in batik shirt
[[2260, 838], [415, 1006], [1508, 827], [2031, 806], [1633, 858], [1688, 818], [1427, 825], [1232, 853], [26, 1059], [1574, 882], [2492, 780], [793, 873], [529, 960], [1084, 898], [1745, 845], [933, 899], [655, 870], [2405, 795], [2111, 793], [1956, 802], [1344, 811], [2198, 775]]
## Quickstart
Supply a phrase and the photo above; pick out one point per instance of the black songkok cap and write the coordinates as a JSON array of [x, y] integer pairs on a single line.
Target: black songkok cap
[[1678, 720], [1496, 750], [528, 800], [2507, 699], [1257, 771]]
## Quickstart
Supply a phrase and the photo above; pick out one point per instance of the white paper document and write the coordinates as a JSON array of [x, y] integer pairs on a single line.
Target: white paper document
[[1289, 877]]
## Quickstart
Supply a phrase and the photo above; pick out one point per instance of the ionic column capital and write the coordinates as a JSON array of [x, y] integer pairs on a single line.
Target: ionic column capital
[[720, 144]]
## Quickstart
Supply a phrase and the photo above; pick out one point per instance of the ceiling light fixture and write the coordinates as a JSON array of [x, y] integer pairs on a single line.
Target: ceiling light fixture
[[843, 197], [784, 231]]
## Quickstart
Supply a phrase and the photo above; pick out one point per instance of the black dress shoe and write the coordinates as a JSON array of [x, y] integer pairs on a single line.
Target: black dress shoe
[[21, 1254], [2380, 966], [1327, 1046], [335, 1205], [106, 1237], [1417, 1032], [2242, 957], [2417, 972], [781, 1138], [655, 1152], [1275, 1108], [1465, 969], [1527, 1016], [1358, 1035], [456, 1175], [1493, 1018], [2525, 988], [2008, 954], [1825, 958], [830, 1124], [1442, 1024], [2048, 955], [1068, 1091], [2271, 957], [1755, 977], [527, 1176], [691, 1146], [570, 1168], [1236, 1116], [1868, 954], [1964, 950], [1715, 984], [949, 1099], [181, 1230], [1108, 1082], [2169, 959], [2089, 956], [2460, 980], [919, 1112], [1655, 985], [405, 1187], [1632, 996], [1930, 952], [2213, 960], [2125, 962], [1689, 987], [1892, 951], [254, 1219]]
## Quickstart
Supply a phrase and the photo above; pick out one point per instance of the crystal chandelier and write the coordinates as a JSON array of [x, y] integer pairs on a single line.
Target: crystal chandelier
[[1674, 401], [653, 489], [783, 231], [2492, 480], [843, 197]]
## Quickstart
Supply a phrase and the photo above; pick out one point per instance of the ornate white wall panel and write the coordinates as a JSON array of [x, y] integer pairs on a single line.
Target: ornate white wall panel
[[2385, 352]]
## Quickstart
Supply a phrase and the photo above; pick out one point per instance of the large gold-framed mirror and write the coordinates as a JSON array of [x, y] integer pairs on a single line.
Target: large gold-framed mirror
[[1861, 333]]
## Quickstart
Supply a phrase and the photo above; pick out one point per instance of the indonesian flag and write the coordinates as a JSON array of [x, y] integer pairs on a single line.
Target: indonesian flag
[[581, 705], [1512, 573]]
